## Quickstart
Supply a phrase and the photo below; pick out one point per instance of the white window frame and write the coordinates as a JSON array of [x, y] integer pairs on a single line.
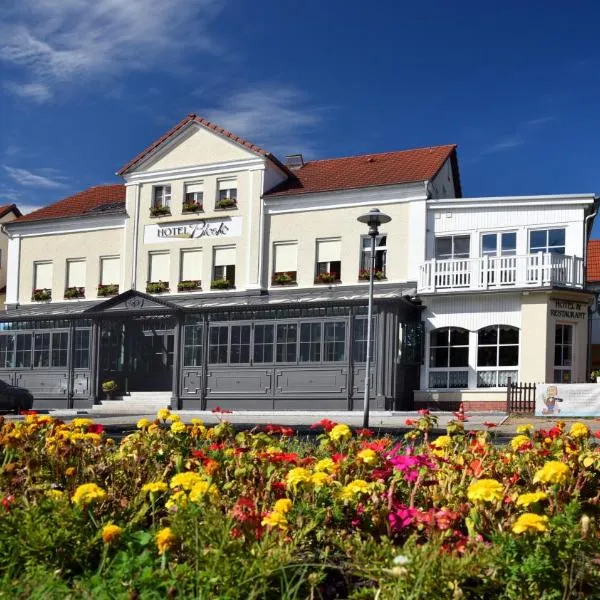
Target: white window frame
[[448, 370], [161, 199], [380, 250], [499, 250], [546, 248], [497, 369], [564, 368], [453, 254]]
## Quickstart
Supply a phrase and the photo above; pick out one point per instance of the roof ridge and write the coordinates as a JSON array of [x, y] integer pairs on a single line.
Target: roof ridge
[[380, 153]]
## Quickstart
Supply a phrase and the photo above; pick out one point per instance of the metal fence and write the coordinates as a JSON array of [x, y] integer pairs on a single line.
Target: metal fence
[[520, 397]]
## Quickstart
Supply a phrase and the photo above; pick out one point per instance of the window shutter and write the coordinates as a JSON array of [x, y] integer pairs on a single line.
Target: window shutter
[[328, 250], [227, 184], [159, 267], [224, 256], [285, 257], [191, 265], [110, 270], [43, 275], [194, 187], [76, 273]]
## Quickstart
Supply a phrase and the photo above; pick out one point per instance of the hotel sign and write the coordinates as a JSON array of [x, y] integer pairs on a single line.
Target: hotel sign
[[197, 229], [566, 309]]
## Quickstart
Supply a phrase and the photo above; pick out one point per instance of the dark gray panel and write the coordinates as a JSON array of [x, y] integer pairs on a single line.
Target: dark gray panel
[[44, 384], [240, 403], [81, 384], [310, 382], [311, 404], [358, 389], [235, 381], [192, 382], [191, 403], [82, 402], [47, 404]]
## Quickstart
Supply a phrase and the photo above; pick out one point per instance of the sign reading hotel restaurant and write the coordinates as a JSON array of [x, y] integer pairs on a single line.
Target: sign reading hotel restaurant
[[567, 309], [567, 400], [198, 229]]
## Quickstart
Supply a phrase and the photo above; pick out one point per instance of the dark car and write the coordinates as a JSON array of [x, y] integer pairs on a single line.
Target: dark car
[[14, 399]]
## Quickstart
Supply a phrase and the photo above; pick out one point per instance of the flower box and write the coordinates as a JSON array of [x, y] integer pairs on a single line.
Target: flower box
[[41, 295], [189, 285], [108, 289], [284, 278], [160, 211], [364, 275], [74, 292], [157, 287], [327, 278], [191, 207], [221, 284], [226, 203]]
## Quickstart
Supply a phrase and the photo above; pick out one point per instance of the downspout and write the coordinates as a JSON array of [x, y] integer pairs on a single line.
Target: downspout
[[136, 219], [590, 311]]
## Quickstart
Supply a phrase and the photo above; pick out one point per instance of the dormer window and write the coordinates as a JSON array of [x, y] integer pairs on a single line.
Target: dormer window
[[227, 194]]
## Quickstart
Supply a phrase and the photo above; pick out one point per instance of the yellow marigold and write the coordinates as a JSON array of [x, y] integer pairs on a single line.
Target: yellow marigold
[[154, 487], [165, 540], [143, 424], [340, 432], [173, 418], [197, 422], [442, 442], [354, 488], [368, 456], [518, 441], [319, 479], [297, 476], [202, 489], [284, 505], [531, 498], [177, 500], [553, 471], [178, 427], [185, 480], [525, 429], [485, 490], [163, 414], [88, 493], [153, 427], [70, 471], [96, 438], [528, 522], [326, 464], [55, 494], [275, 519], [81, 422], [579, 430], [110, 533]]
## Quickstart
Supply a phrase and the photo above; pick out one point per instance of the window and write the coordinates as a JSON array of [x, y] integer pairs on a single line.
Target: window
[[329, 262], [191, 265], [42, 275], [7, 348], [547, 240], [227, 193], [41, 350], [240, 344], [60, 345], [453, 246], [359, 343], [162, 196], [287, 336], [497, 355], [449, 358], [563, 353], [23, 352], [218, 339], [380, 256], [192, 346], [110, 270], [224, 266], [499, 244], [263, 343], [285, 262], [81, 349], [310, 342], [334, 345], [194, 197], [76, 273], [158, 266]]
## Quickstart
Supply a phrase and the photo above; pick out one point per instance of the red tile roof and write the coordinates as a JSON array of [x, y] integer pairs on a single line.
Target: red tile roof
[[386, 168], [593, 261], [4, 210], [195, 118], [100, 198]]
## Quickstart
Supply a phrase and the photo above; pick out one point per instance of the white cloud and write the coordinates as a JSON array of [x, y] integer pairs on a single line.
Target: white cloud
[[276, 118], [507, 143], [38, 92], [58, 41], [36, 180]]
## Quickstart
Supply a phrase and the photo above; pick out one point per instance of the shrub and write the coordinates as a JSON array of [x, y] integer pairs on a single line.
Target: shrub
[[157, 287]]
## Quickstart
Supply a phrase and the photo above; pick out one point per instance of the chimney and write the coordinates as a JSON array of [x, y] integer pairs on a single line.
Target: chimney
[[294, 161]]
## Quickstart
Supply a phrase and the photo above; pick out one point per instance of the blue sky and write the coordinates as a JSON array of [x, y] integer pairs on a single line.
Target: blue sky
[[85, 86]]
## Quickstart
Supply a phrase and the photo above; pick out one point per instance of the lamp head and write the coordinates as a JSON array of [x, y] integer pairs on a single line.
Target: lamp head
[[374, 218]]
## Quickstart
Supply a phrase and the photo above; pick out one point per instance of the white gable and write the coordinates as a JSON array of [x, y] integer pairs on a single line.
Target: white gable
[[194, 146]]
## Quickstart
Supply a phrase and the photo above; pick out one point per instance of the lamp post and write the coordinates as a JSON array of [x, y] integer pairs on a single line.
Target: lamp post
[[374, 218]]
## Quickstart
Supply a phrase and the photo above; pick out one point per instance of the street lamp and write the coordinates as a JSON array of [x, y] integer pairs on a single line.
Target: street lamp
[[374, 218]]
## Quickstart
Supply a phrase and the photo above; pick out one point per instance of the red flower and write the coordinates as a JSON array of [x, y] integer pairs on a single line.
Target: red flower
[[216, 446], [490, 425], [28, 412], [326, 424], [95, 428], [223, 411], [338, 457], [410, 422], [365, 433], [198, 454], [379, 445], [597, 434], [424, 412], [8, 501]]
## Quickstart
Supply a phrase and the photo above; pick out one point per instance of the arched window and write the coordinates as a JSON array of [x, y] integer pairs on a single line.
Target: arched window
[[497, 355], [449, 358]]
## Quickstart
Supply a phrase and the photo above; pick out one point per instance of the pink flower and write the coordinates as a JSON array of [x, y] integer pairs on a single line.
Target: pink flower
[[402, 517]]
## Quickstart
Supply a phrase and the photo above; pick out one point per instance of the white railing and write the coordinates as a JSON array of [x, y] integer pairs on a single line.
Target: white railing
[[500, 272]]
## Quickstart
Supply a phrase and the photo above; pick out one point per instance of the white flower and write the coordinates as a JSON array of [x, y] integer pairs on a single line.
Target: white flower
[[401, 559]]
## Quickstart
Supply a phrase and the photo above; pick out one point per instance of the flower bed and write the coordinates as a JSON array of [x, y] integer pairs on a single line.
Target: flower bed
[[190, 511]]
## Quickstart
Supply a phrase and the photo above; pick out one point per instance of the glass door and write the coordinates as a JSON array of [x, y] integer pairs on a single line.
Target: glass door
[[500, 250]]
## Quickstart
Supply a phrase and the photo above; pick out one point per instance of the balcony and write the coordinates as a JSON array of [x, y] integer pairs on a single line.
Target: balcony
[[500, 272]]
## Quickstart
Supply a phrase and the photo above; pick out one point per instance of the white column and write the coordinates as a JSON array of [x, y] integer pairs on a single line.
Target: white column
[[472, 359], [13, 264]]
